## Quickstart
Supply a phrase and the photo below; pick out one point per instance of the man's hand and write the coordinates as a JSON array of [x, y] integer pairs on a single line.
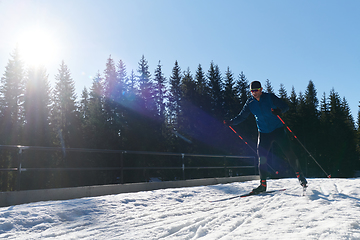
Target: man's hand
[[276, 111], [227, 122]]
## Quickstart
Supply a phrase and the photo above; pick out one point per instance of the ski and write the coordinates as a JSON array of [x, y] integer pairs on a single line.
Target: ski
[[248, 195]]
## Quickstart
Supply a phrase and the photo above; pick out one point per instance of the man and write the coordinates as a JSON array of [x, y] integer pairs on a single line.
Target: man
[[265, 107]]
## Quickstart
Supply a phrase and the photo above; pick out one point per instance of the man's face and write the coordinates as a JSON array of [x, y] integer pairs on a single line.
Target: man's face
[[256, 93]]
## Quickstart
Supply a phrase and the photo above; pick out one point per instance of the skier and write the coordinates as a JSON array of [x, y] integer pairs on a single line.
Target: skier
[[265, 107]]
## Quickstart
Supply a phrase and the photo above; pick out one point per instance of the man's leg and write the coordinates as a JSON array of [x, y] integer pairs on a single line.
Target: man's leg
[[263, 147], [285, 145]]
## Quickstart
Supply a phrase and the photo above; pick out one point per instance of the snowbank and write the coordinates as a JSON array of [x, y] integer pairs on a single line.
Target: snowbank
[[330, 210]]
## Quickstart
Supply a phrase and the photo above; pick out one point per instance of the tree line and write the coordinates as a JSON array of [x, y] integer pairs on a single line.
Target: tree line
[[146, 111]]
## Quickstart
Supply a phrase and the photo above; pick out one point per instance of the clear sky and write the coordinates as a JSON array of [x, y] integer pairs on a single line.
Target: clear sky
[[285, 41]]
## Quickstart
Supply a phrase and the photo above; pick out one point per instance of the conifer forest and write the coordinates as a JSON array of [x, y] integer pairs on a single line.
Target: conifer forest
[[144, 110]]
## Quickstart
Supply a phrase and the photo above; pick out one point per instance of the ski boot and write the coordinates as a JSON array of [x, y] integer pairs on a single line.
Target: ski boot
[[261, 188], [302, 179]]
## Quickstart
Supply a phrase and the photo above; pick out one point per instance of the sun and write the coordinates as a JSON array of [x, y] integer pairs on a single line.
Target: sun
[[37, 47]]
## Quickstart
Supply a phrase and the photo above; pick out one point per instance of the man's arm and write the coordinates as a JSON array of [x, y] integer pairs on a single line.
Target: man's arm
[[244, 113], [280, 104]]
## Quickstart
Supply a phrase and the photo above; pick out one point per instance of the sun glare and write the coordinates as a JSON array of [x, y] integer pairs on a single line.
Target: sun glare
[[37, 47]]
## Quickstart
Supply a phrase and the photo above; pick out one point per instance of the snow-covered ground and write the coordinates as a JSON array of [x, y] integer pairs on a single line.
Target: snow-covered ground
[[330, 210]]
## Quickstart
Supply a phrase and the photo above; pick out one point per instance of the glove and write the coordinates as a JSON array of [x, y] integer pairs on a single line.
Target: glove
[[227, 122], [276, 111]]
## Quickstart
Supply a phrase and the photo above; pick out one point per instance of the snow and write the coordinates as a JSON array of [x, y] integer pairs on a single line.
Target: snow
[[330, 210]]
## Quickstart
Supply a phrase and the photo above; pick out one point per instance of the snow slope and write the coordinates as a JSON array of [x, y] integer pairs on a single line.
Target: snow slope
[[330, 210]]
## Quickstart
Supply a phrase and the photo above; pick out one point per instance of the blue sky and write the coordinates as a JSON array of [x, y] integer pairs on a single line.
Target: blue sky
[[285, 41]]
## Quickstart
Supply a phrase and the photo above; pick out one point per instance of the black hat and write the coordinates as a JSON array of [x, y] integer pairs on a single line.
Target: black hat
[[255, 85]]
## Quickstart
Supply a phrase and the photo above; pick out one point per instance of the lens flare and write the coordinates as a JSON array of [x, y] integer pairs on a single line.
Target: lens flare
[[37, 47]]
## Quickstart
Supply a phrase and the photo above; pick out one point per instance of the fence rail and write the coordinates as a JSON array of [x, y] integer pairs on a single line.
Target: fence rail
[[20, 151]]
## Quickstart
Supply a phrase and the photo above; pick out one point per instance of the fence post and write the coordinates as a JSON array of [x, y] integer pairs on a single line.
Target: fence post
[[18, 180], [183, 165], [122, 168]]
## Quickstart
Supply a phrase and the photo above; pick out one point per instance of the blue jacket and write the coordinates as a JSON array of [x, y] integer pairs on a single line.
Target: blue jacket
[[265, 120]]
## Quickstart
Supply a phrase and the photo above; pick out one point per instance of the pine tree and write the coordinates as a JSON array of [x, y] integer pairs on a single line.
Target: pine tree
[[283, 93], [188, 113], [298, 126], [310, 132], [37, 131], [310, 97], [200, 105], [268, 88], [349, 121], [202, 90], [110, 80], [84, 104], [131, 86], [216, 91], [247, 128], [231, 96], [242, 86], [340, 139], [11, 116], [160, 96], [325, 126], [95, 132], [160, 92], [146, 87], [283, 96], [335, 108], [131, 118], [175, 95], [37, 108], [95, 126], [121, 100], [112, 91], [144, 122], [188, 87], [311, 116], [293, 100], [122, 77], [324, 108], [12, 91], [64, 112], [301, 111], [84, 116], [291, 115]]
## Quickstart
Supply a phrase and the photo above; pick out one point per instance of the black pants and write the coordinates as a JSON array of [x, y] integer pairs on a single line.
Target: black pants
[[265, 142]]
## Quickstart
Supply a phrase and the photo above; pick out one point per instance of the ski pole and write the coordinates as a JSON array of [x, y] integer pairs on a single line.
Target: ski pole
[[328, 175], [242, 139], [276, 172]]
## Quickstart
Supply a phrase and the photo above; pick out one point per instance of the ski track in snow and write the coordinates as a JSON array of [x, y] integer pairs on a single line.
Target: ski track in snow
[[330, 210]]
